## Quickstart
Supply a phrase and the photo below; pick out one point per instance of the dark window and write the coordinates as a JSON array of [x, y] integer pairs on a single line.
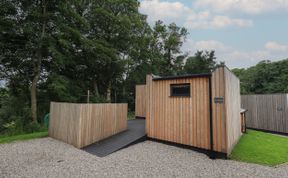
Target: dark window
[[180, 89]]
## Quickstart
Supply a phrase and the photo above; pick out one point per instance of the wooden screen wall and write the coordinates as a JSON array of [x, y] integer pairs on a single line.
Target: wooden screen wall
[[183, 120], [233, 109], [226, 115], [140, 101], [84, 124], [267, 112]]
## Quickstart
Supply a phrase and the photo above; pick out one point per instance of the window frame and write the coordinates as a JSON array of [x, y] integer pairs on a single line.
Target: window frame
[[180, 95]]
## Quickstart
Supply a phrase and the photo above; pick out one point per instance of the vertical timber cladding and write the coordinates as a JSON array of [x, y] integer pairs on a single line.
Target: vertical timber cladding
[[184, 120], [226, 113], [233, 109], [218, 111], [267, 112], [83, 124], [140, 101]]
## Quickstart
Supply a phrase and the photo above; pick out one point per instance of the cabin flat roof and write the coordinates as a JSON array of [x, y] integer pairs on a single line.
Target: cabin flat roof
[[182, 76]]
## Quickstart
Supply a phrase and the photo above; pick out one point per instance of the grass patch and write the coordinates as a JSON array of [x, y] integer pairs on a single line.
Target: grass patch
[[261, 148], [131, 115], [8, 139]]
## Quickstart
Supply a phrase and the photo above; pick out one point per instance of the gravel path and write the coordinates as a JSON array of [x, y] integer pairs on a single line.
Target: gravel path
[[50, 158]]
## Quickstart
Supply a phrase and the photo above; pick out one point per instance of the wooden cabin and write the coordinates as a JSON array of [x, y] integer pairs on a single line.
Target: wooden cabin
[[199, 110]]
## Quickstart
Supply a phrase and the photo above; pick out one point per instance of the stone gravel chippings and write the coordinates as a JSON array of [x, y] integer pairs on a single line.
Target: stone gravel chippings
[[47, 157]]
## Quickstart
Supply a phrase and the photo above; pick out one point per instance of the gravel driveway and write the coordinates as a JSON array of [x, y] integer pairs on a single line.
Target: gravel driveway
[[51, 158]]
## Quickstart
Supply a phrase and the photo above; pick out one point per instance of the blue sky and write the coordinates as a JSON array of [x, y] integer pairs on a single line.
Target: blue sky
[[242, 32]]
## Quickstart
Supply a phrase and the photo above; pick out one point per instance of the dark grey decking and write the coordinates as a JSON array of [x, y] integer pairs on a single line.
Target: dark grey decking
[[134, 133]]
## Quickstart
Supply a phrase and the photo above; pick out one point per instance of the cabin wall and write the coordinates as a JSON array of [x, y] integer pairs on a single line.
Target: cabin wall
[[226, 115], [186, 120], [183, 120], [140, 101], [233, 108], [218, 111]]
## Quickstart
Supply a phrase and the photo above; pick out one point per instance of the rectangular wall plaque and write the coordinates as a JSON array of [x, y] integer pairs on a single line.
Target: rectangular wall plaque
[[218, 99]]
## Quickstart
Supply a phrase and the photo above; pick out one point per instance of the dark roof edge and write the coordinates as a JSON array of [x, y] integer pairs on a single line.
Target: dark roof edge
[[182, 76]]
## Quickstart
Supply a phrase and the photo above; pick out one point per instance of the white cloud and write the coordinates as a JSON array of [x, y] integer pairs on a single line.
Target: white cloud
[[247, 6], [234, 58], [244, 59], [166, 11], [208, 22], [178, 12], [274, 46], [209, 45]]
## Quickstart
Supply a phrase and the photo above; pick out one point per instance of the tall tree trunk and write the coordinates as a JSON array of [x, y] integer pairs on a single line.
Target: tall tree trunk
[[96, 90], [37, 66], [34, 96], [109, 92]]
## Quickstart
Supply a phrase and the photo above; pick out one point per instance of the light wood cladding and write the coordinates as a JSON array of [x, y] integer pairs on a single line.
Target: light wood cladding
[[226, 115], [183, 120], [186, 120], [83, 124], [218, 111], [233, 109], [140, 101]]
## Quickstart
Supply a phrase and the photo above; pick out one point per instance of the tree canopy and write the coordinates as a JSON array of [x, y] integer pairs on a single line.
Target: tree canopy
[[265, 77], [57, 50]]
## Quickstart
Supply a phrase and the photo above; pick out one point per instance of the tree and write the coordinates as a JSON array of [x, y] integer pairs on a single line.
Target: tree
[[201, 62], [31, 45], [265, 77]]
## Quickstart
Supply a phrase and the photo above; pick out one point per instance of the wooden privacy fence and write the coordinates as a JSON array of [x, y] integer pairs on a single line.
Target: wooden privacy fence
[[266, 112], [83, 124], [140, 101]]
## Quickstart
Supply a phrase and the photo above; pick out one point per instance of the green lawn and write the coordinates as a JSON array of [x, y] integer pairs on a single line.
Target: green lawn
[[261, 148], [8, 139]]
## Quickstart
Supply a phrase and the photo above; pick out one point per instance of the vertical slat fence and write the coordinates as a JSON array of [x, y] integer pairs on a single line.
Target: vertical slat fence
[[266, 112], [83, 124]]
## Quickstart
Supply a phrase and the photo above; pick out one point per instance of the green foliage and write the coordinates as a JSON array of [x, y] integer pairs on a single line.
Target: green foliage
[[202, 62], [34, 127], [66, 48], [8, 139], [265, 77], [131, 115], [261, 148]]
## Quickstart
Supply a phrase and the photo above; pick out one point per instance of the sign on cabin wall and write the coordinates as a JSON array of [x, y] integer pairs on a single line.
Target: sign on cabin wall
[[219, 100]]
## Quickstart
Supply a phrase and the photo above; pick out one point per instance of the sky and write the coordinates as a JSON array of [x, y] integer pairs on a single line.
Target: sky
[[242, 32]]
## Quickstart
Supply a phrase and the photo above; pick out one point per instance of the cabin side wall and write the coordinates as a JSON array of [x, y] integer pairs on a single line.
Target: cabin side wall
[[233, 108], [140, 101], [183, 120]]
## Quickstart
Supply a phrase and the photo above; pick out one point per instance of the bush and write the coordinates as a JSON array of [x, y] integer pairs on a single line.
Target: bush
[[14, 126], [34, 127]]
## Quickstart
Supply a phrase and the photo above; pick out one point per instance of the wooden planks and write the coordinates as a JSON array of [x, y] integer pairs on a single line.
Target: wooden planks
[[233, 109], [218, 111], [140, 101], [267, 112], [83, 124], [186, 120], [226, 115], [183, 120]]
